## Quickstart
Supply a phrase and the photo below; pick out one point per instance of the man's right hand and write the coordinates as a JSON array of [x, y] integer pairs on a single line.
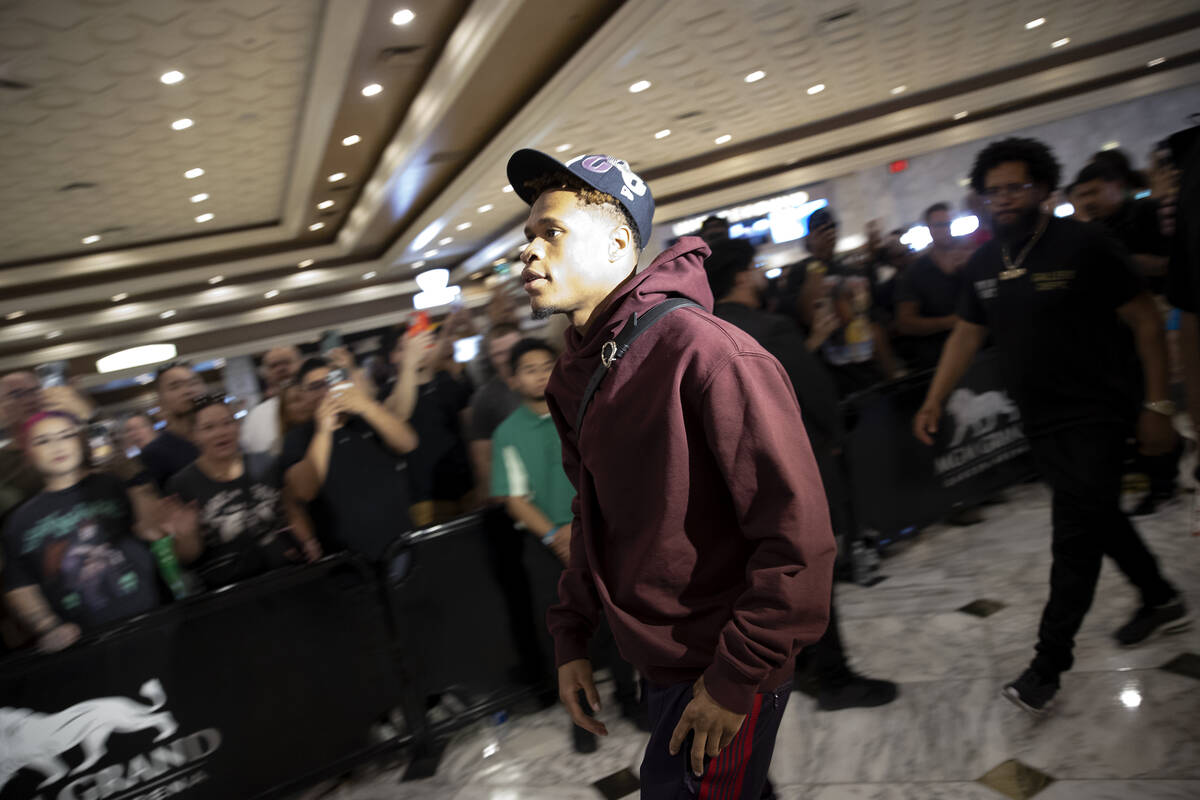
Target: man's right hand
[[59, 637], [561, 544], [416, 345], [329, 413], [925, 423], [573, 677]]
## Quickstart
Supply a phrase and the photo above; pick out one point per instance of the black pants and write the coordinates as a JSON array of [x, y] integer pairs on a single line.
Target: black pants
[[738, 773], [1083, 467]]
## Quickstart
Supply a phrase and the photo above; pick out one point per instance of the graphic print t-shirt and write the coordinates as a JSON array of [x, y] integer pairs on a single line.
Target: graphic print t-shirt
[[77, 545], [240, 520]]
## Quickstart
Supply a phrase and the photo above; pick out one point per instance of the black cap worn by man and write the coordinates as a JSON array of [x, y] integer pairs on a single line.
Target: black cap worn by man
[[700, 527]]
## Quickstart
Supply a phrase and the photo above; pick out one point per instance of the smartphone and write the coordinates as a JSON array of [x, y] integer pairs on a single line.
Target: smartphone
[[337, 380], [331, 340], [466, 349], [52, 374]]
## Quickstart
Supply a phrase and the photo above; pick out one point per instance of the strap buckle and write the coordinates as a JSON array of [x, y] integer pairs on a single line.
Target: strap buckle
[[608, 353]]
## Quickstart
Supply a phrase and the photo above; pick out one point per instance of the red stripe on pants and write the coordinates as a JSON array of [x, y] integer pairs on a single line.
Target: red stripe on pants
[[724, 778]]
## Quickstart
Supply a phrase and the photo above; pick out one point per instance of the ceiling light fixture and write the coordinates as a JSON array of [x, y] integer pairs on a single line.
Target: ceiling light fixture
[[368, 275], [337, 176], [116, 298], [816, 88], [1035, 23], [486, 207], [182, 124], [353, 138], [10, 316], [664, 133], [316, 226], [95, 237], [639, 86], [215, 279], [755, 77], [205, 217], [1154, 62], [171, 78], [901, 89], [562, 148], [371, 89], [1113, 145], [418, 264], [272, 294], [199, 198], [136, 357], [53, 334], [507, 188], [170, 312], [1060, 42], [430, 253], [195, 172], [308, 262], [722, 139], [462, 226], [325, 204], [403, 17], [961, 115], [447, 240]]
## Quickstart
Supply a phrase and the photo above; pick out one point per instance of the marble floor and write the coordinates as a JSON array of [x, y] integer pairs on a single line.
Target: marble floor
[[1123, 729]]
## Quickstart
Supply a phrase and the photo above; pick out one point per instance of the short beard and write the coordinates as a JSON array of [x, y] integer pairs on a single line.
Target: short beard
[[543, 313], [1024, 224]]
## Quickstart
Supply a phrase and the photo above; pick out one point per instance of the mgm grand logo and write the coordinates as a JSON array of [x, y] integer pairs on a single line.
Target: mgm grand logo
[[30, 740]]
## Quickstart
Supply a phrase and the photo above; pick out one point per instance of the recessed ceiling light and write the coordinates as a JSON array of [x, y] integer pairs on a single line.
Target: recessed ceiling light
[[368, 275], [562, 148], [204, 217], [199, 198], [447, 240], [10, 316], [195, 172], [271, 294], [1113, 145], [170, 312], [755, 76], [722, 139], [430, 253], [215, 279], [640, 86], [507, 188], [182, 124], [486, 207], [418, 264], [816, 88], [308, 262], [403, 17], [462, 226], [116, 298], [172, 77], [1035, 23], [964, 182], [316, 226], [1060, 42], [325, 204], [337, 176], [664, 133], [371, 89], [1154, 62], [95, 237], [53, 334], [961, 115], [899, 89], [353, 138]]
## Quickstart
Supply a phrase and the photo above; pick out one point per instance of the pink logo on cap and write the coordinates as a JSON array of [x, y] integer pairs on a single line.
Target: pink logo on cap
[[599, 164]]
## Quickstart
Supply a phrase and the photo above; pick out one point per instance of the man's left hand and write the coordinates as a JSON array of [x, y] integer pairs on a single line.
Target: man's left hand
[[713, 725], [1155, 433], [355, 399]]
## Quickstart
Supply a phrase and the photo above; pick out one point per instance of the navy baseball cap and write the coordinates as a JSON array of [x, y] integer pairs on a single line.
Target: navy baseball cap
[[820, 218], [603, 173]]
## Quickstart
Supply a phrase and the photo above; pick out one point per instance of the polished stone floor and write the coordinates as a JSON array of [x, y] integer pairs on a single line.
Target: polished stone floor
[[1124, 728]]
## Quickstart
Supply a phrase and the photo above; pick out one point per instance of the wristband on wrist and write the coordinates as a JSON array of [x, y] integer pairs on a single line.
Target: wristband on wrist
[[549, 536]]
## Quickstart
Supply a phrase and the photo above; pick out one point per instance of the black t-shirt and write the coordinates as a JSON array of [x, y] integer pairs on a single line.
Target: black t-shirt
[[1183, 270], [165, 456], [363, 503], [77, 545], [1135, 225], [1068, 358], [936, 294], [242, 522], [439, 469], [492, 403]]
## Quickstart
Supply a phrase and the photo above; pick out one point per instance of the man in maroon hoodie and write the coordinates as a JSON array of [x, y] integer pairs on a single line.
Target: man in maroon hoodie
[[700, 526]]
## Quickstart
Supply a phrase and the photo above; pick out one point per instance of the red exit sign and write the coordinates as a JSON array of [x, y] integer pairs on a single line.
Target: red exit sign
[[898, 166]]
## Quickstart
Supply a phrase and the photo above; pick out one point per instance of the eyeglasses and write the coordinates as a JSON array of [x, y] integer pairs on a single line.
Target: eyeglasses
[[990, 193], [204, 401]]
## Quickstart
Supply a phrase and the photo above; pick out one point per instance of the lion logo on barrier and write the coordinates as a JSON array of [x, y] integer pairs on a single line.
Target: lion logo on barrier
[[979, 414], [37, 741]]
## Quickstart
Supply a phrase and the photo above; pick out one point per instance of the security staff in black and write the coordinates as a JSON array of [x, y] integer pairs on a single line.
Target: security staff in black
[[1071, 320]]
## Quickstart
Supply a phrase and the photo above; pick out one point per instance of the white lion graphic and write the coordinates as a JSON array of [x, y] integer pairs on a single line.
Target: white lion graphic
[[978, 414], [34, 740]]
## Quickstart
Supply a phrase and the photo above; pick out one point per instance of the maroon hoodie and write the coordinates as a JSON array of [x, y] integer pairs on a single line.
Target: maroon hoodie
[[701, 528]]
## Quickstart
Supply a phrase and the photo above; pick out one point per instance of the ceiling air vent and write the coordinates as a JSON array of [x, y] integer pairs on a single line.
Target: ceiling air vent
[[71, 187], [405, 54], [14, 86]]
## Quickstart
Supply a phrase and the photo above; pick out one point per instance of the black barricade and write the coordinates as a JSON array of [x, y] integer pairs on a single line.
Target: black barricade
[[898, 483], [235, 694]]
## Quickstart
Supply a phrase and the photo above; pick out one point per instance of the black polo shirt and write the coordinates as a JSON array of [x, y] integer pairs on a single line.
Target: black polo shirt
[[1068, 358], [936, 294]]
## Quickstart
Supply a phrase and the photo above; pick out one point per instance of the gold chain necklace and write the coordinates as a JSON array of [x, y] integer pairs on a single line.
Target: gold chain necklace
[[1014, 270]]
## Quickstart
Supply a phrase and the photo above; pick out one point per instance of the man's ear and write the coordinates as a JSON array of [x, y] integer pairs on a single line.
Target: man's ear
[[620, 242]]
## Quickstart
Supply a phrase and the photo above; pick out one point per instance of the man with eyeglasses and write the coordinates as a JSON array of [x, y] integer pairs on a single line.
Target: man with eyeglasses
[[260, 428], [1071, 320], [927, 292]]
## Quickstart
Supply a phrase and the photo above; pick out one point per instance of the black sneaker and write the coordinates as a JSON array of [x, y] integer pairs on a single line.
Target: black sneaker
[[1032, 692], [1171, 617], [851, 690]]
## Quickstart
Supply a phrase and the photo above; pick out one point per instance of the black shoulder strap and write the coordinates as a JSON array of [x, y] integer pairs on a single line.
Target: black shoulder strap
[[614, 348]]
